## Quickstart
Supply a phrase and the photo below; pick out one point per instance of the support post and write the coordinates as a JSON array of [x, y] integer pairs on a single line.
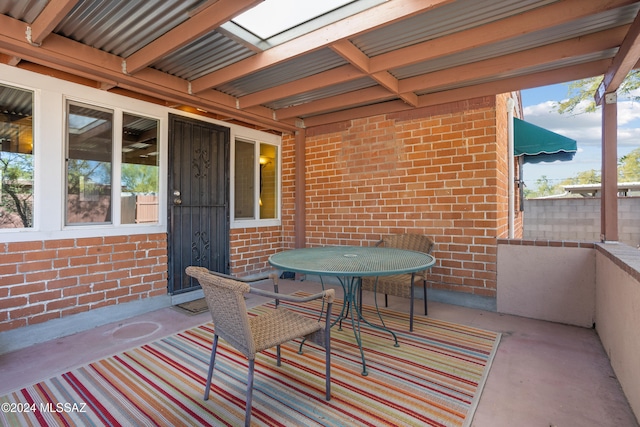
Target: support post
[[299, 222], [609, 198]]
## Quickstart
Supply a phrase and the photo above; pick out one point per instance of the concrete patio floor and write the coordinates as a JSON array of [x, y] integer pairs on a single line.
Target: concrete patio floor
[[543, 375]]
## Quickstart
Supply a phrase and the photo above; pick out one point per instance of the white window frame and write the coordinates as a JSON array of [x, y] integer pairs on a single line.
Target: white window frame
[[116, 166], [256, 139], [35, 135]]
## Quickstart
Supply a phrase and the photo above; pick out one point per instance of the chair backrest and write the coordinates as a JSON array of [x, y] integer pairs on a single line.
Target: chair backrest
[[409, 241], [225, 299]]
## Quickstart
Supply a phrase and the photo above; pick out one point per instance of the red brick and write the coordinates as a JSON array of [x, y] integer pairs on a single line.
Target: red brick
[[45, 296], [40, 276], [24, 246], [39, 255], [62, 303], [27, 289], [105, 285], [57, 244], [90, 298], [26, 311], [115, 293], [44, 317], [76, 290], [13, 324], [90, 241], [13, 302], [35, 266], [62, 283]]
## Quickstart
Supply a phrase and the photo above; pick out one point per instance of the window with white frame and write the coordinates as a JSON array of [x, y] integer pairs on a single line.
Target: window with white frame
[[140, 170], [90, 166], [256, 183], [16, 158]]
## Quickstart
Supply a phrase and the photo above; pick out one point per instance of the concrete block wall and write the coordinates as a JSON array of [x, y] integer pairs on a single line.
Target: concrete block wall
[[45, 280], [578, 219]]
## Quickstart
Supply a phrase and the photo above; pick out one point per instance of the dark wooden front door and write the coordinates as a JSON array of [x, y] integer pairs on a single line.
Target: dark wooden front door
[[198, 200]]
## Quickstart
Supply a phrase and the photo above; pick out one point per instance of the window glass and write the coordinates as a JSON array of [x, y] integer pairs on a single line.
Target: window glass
[[244, 190], [268, 182], [16, 158], [89, 159], [256, 181], [140, 170]]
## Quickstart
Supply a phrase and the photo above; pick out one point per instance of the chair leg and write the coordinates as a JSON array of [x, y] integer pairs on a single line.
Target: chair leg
[[411, 307], [386, 300], [274, 278], [278, 355], [247, 414], [327, 349], [211, 363], [424, 287]]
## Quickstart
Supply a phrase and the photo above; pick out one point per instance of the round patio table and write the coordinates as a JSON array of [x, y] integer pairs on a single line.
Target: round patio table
[[349, 264]]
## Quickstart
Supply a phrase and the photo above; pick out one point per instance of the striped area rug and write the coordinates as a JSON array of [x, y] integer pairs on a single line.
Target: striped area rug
[[434, 378]]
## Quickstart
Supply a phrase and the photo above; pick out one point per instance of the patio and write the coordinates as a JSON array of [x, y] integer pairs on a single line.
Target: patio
[[544, 374], [373, 134]]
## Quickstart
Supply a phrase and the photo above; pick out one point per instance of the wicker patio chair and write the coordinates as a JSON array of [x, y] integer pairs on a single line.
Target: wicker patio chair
[[250, 335], [401, 285]]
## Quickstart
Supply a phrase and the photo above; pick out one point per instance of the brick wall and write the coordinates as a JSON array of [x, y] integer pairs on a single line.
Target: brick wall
[[46, 280], [437, 171], [251, 247]]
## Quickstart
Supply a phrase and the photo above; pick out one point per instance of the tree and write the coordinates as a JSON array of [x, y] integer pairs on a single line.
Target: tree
[[140, 178], [584, 90], [16, 190], [591, 176], [629, 167], [543, 188]]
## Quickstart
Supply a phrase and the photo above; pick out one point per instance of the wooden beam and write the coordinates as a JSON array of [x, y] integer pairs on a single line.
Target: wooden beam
[[378, 94], [609, 197], [545, 78], [198, 25], [623, 63], [518, 25], [331, 77], [603, 40], [343, 101], [81, 60], [48, 19], [355, 56], [357, 113], [375, 17], [9, 59], [574, 72]]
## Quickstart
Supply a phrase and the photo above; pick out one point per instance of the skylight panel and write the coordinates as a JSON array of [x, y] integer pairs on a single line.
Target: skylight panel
[[273, 17], [273, 22]]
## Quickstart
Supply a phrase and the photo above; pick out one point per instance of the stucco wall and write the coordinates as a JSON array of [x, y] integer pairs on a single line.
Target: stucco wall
[[552, 281], [618, 314], [578, 219]]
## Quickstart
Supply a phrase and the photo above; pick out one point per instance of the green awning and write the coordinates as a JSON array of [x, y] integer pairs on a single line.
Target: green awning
[[537, 144]]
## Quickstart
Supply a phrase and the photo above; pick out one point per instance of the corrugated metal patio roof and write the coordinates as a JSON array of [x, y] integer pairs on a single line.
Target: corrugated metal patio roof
[[401, 50]]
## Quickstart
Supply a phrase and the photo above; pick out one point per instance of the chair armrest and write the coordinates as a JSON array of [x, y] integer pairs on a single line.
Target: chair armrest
[[328, 295], [247, 279]]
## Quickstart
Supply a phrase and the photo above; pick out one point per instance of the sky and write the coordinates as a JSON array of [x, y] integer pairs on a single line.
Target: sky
[[585, 128]]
